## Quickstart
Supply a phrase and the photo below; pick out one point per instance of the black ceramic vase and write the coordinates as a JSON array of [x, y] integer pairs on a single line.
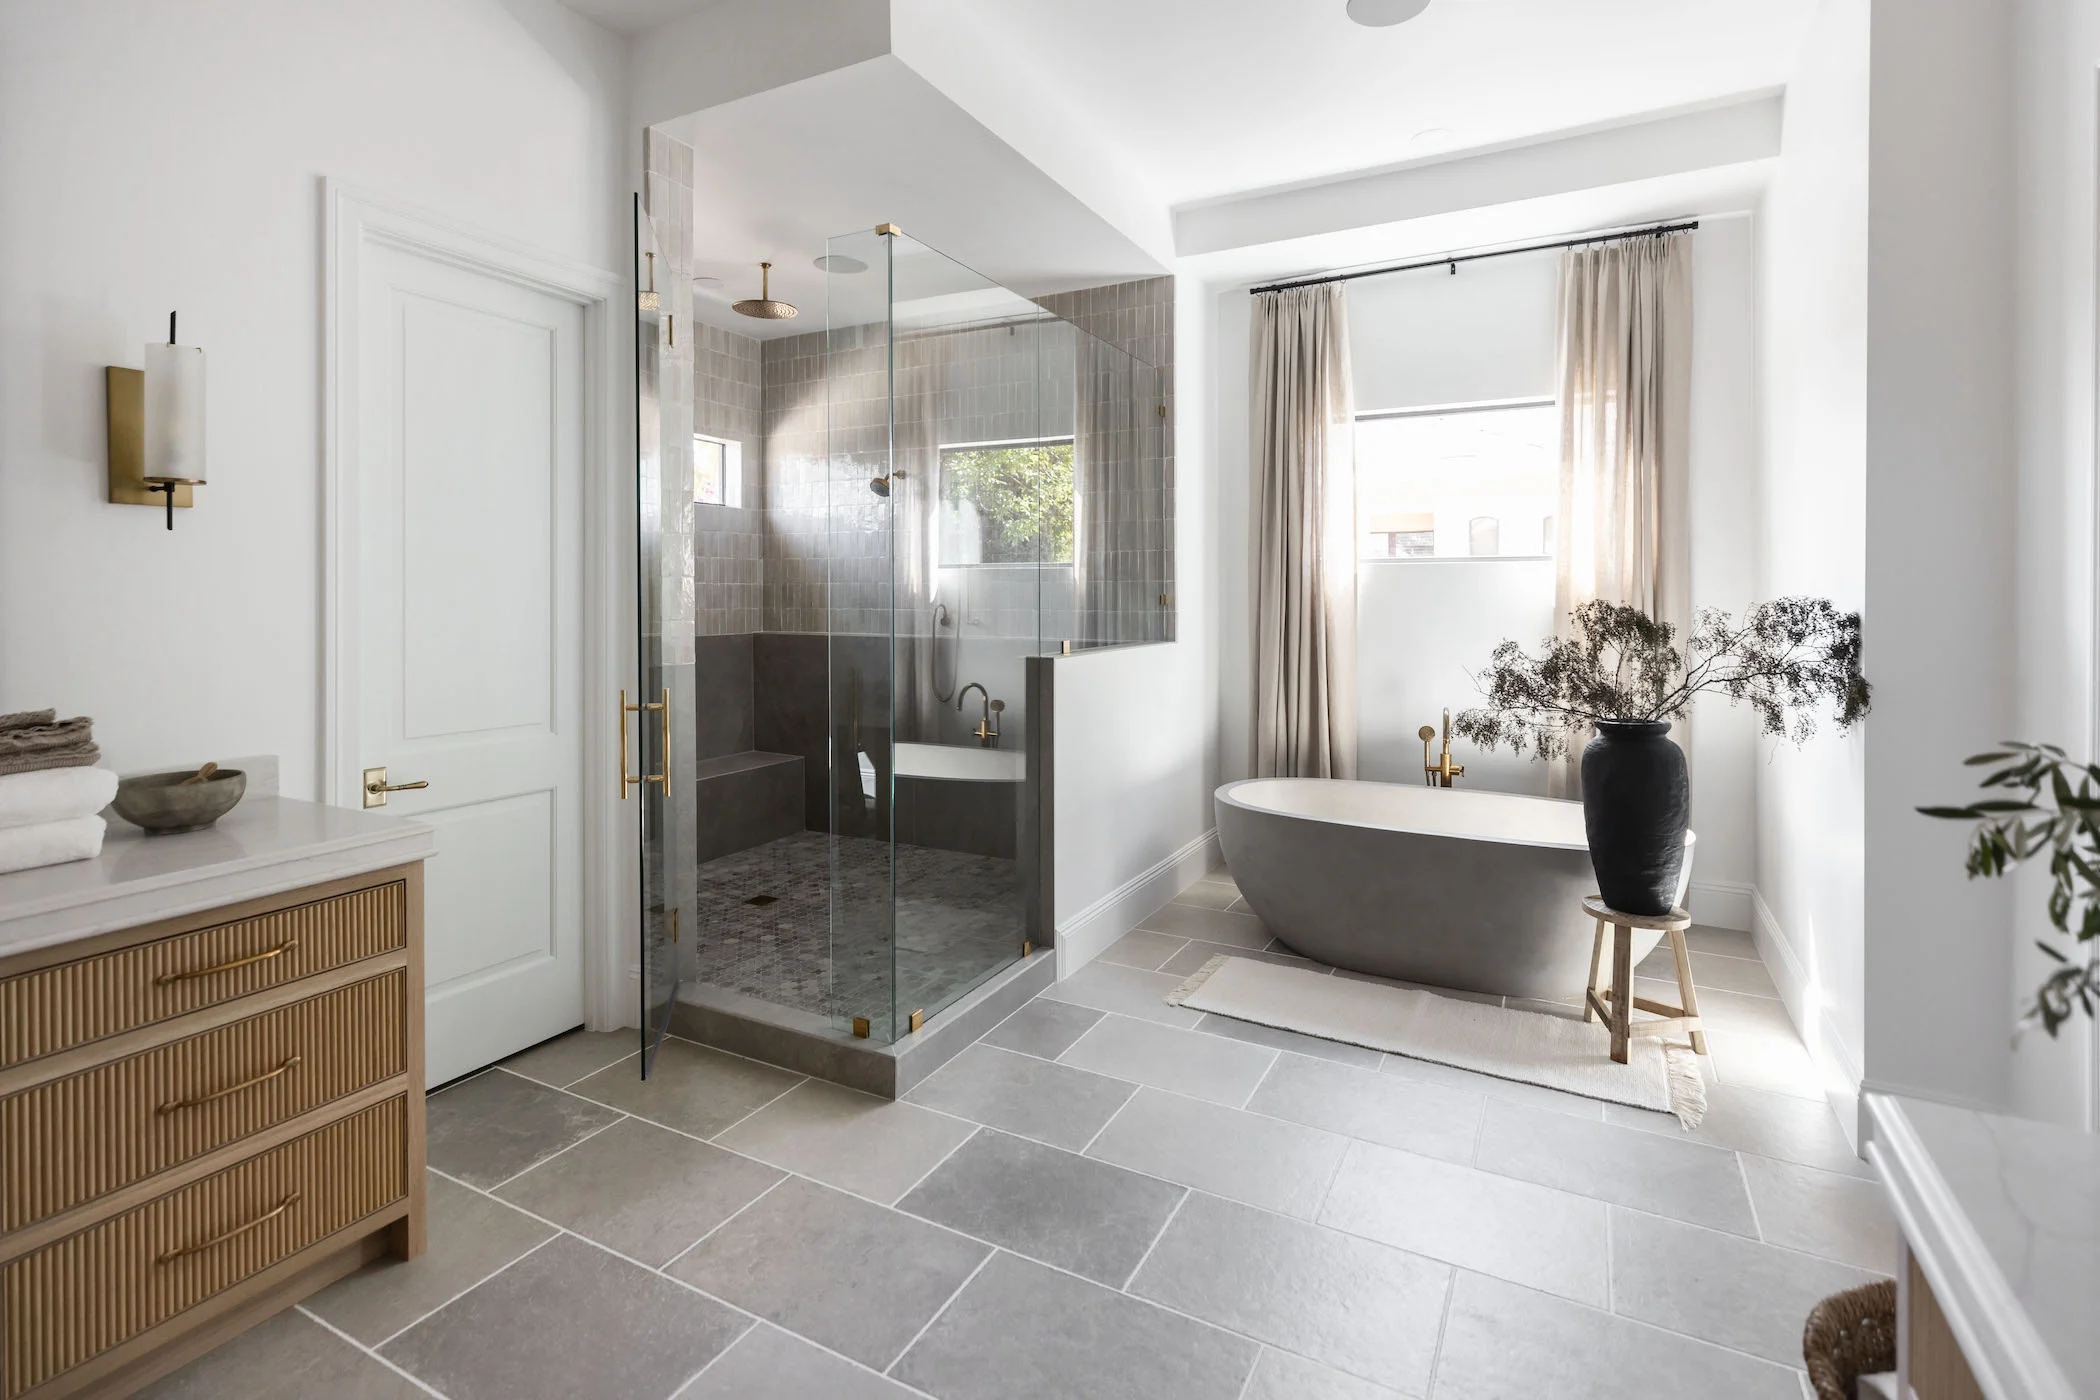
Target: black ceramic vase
[[1636, 804]]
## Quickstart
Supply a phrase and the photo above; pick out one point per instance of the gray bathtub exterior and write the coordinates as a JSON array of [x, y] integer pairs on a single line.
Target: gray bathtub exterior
[[1464, 912]]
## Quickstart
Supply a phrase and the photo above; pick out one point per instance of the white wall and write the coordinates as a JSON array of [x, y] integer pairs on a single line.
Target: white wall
[[1940, 545], [1811, 804], [2057, 115], [1424, 628], [170, 157], [1137, 728]]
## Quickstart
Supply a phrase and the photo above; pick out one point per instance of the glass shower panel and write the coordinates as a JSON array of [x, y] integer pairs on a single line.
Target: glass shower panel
[[662, 702], [857, 549]]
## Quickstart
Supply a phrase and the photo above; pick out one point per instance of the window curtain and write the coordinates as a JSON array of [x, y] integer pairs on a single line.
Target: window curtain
[[1304, 458], [1625, 371]]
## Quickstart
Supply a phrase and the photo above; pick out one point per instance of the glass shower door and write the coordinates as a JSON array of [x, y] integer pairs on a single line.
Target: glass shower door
[[648, 714]]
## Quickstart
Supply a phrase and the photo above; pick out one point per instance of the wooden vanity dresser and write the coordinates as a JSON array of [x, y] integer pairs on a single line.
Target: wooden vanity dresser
[[207, 1116]]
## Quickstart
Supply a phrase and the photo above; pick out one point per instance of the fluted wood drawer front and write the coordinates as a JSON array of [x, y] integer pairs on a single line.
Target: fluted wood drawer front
[[57, 1008], [94, 1290], [77, 1138]]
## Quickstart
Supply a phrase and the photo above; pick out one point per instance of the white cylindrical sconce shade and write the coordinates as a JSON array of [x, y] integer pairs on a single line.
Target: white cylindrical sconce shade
[[174, 414]]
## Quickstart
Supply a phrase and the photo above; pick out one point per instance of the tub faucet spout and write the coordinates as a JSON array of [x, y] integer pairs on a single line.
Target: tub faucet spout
[[987, 731], [1443, 770]]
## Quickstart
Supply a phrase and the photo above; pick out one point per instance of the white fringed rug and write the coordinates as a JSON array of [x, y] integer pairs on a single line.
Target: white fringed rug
[[1558, 1052]]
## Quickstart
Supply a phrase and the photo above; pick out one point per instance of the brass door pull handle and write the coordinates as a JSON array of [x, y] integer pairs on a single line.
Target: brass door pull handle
[[235, 1233], [287, 1067], [662, 780], [169, 979], [377, 787]]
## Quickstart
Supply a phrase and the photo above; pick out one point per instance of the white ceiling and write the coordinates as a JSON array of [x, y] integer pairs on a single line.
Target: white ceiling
[[1210, 98], [632, 17], [778, 174]]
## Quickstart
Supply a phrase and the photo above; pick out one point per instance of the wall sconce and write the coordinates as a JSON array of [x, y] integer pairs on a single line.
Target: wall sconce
[[156, 427]]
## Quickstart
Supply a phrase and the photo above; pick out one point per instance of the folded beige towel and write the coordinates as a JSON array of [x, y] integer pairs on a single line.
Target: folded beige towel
[[50, 843], [34, 740], [54, 795]]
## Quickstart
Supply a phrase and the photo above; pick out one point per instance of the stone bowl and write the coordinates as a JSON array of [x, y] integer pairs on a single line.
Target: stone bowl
[[163, 804]]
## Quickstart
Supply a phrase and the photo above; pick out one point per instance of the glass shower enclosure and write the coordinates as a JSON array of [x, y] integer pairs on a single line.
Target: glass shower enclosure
[[940, 481]]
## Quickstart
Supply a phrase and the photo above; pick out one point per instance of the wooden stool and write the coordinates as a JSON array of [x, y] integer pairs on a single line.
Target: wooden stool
[[1617, 1003]]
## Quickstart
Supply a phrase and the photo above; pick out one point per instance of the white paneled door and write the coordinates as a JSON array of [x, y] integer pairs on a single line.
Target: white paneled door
[[468, 577]]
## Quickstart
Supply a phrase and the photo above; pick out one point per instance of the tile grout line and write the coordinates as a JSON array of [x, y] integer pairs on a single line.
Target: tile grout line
[[756, 1111], [1275, 1055], [967, 1138], [559, 1151], [970, 1278], [734, 1342], [425, 1317], [1443, 1327], [1135, 1090], [417, 1381], [689, 1287], [1742, 1172], [1261, 1349], [720, 1224], [1164, 1226]]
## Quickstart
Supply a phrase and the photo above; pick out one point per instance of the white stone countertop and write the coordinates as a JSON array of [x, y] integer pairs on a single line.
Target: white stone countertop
[[263, 846], [2003, 1214]]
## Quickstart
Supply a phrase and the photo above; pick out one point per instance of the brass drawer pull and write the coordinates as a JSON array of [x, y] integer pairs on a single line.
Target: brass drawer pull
[[235, 1233], [169, 979], [286, 1068]]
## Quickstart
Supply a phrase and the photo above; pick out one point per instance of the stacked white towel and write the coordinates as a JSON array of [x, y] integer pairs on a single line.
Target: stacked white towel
[[50, 816]]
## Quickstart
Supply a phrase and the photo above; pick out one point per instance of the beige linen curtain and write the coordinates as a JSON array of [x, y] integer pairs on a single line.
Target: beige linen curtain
[[1625, 369], [1304, 459]]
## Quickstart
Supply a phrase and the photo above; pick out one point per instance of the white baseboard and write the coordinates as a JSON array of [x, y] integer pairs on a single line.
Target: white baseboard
[[1089, 932], [1720, 904], [1842, 1071]]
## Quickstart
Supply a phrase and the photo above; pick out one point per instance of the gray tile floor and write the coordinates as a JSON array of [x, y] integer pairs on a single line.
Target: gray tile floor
[[1106, 1197]]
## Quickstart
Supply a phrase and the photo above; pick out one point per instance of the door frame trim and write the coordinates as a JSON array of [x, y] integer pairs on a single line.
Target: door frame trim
[[353, 218]]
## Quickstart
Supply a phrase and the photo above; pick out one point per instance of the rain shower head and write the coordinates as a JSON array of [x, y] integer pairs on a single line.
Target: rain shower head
[[763, 307]]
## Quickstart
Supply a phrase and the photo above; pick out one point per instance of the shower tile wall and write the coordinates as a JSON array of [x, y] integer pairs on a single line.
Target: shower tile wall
[[729, 541], [1137, 318]]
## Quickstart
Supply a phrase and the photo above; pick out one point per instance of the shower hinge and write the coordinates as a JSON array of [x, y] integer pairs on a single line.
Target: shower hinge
[[918, 1019], [1026, 947], [1162, 410], [860, 1028]]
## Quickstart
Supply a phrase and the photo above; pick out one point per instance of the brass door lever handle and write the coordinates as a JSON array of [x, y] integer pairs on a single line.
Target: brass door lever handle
[[377, 787]]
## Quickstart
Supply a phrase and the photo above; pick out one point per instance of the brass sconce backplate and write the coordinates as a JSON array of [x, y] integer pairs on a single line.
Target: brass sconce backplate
[[127, 442]]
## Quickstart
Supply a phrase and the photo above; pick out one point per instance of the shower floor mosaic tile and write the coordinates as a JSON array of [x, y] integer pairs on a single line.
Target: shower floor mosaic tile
[[764, 924], [1105, 1198]]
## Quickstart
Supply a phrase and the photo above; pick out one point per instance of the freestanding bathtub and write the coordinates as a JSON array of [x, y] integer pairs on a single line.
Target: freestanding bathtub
[[1449, 887]]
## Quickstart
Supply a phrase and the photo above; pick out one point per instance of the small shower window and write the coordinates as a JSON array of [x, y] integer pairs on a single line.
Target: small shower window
[[1007, 502], [718, 471]]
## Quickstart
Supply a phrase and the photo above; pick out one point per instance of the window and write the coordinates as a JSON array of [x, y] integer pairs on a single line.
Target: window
[[1007, 502], [718, 471], [1460, 482]]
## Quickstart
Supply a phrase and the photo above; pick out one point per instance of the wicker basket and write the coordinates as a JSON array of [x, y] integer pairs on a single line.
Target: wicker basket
[[1849, 1335]]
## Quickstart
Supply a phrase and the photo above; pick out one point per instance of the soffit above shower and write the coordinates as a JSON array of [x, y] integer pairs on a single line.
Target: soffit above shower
[[778, 173]]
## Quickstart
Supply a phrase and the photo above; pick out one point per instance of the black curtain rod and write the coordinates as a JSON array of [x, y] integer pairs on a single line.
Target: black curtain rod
[[1453, 260]]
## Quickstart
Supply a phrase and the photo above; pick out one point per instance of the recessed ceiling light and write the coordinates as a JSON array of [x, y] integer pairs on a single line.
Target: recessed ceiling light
[[1380, 13], [839, 262], [707, 281], [1431, 137]]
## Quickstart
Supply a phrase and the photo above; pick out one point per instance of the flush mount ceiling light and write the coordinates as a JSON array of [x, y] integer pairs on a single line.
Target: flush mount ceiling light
[[839, 262], [763, 307], [1380, 13]]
